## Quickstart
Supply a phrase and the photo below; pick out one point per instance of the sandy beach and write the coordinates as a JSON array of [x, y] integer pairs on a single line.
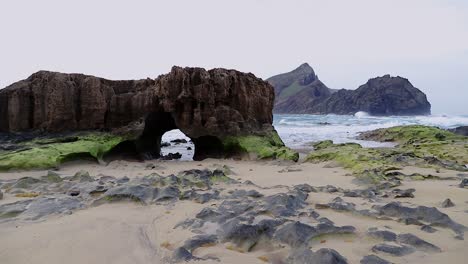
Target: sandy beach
[[130, 232]]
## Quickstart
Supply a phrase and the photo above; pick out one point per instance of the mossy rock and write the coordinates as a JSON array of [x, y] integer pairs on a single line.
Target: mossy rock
[[268, 146], [418, 146], [52, 177], [82, 176], [37, 155]]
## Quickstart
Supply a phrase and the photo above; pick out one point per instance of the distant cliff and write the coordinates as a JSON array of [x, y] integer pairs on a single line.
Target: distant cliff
[[301, 92]]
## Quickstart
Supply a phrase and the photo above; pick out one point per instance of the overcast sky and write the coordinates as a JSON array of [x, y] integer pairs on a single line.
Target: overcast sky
[[346, 42]]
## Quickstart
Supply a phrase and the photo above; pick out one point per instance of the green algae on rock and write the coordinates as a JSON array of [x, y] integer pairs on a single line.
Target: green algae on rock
[[40, 155], [268, 146], [419, 146]]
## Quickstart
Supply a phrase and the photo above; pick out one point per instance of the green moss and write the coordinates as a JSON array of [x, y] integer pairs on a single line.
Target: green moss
[[263, 147], [418, 146], [51, 155]]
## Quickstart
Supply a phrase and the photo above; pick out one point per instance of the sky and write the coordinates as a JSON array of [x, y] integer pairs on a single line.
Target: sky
[[346, 42]]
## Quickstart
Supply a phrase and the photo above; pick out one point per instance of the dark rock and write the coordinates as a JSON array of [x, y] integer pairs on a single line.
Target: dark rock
[[462, 130], [427, 214], [199, 241], [340, 205], [447, 203], [322, 256], [207, 214], [82, 176], [179, 141], [393, 250], [171, 156], [182, 255], [246, 236], [428, 229], [301, 92], [408, 193], [373, 259], [1, 195], [382, 234], [298, 234], [412, 240], [464, 183], [282, 204], [26, 183], [138, 193], [35, 209], [295, 234], [165, 144], [305, 188]]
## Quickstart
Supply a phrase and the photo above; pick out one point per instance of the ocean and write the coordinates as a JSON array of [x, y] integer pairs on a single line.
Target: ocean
[[298, 131]]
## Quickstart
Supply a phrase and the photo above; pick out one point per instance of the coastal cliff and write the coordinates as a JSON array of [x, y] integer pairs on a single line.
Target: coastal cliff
[[301, 92]]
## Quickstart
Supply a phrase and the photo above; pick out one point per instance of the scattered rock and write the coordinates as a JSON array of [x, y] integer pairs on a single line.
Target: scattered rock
[[322, 256], [414, 241], [393, 250], [423, 213], [373, 259], [182, 255], [447, 203], [428, 229], [179, 141], [82, 176], [165, 144], [382, 234], [200, 241], [408, 193], [464, 183], [171, 156]]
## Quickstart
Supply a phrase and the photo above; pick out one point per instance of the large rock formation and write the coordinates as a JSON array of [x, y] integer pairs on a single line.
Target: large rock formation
[[217, 108], [301, 92]]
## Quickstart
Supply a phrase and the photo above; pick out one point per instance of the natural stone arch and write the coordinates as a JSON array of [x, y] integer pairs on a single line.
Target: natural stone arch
[[226, 113]]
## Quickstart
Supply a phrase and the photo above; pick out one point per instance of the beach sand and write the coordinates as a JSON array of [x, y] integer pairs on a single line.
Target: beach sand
[[127, 232]]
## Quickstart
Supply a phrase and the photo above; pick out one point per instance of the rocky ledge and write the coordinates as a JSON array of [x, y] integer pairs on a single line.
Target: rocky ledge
[[225, 113]]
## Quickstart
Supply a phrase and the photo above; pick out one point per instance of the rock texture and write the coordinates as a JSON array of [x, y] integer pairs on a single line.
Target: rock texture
[[208, 106], [300, 91]]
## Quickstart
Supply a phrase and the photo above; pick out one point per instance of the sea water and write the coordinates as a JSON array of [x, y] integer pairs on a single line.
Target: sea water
[[298, 131]]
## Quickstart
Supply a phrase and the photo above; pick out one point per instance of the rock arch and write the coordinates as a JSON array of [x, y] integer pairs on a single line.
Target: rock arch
[[225, 112]]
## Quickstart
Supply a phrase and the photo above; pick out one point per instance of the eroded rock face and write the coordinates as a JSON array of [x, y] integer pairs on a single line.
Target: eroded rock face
[[207, 106]]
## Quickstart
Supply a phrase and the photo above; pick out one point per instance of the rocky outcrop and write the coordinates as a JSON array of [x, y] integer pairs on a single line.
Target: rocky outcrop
[[217, 109], [300, 92], [462, 130]]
